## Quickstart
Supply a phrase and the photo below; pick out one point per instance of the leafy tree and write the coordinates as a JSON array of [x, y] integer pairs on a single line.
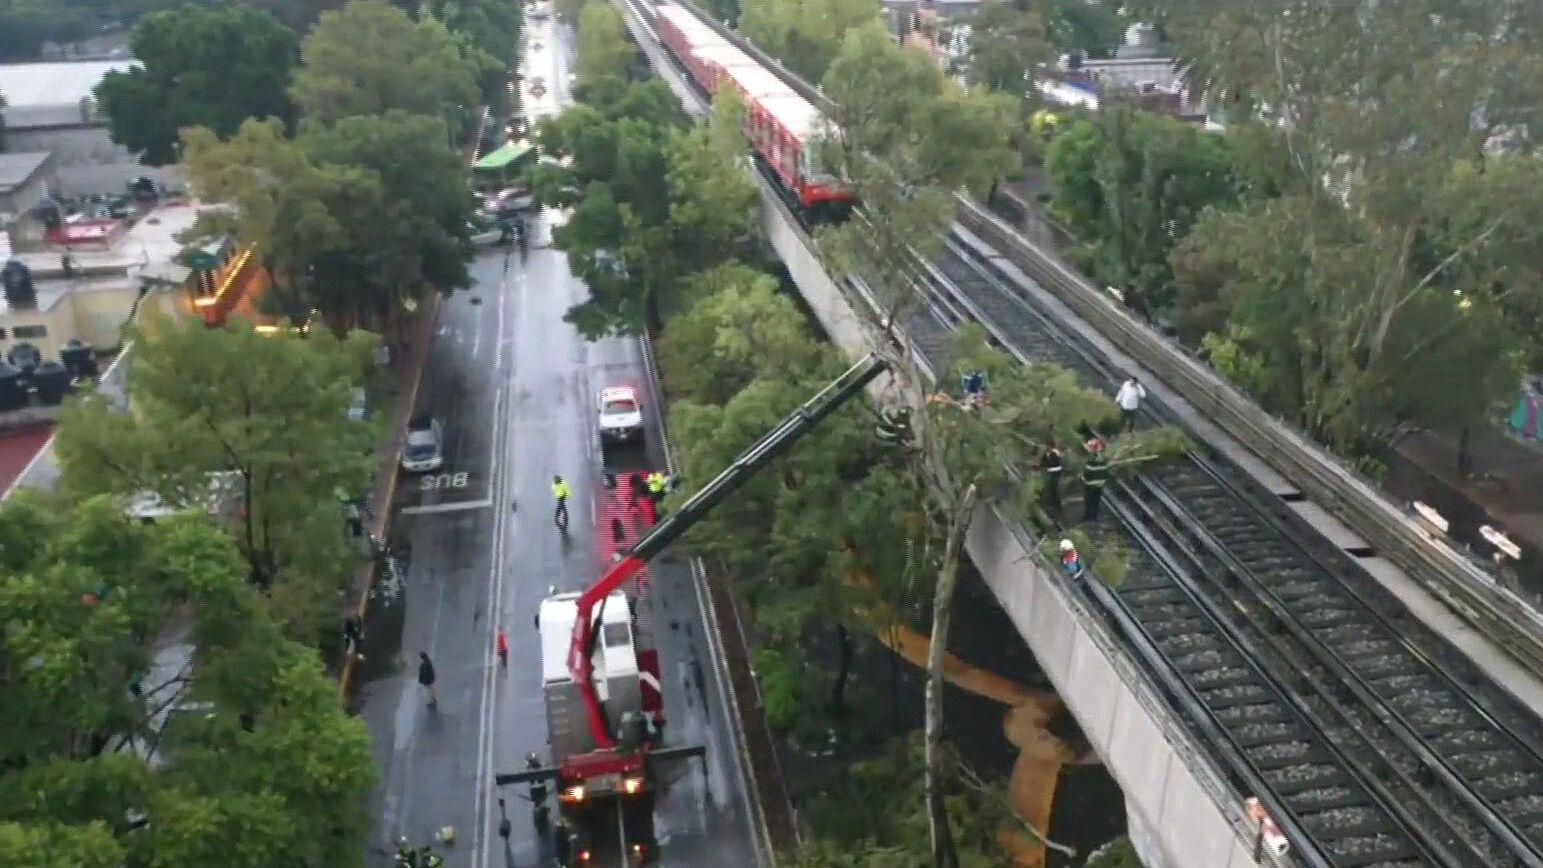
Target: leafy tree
[[906, 139], [492, 26], [297, 15], [872, 815], [299, 214], [366, 213], [25, 26], [275, 776], [655, 205], [805, 34], [713, 201], [419, 236], [1007, 43], [1081, 25], [742, 329], [269, 409], [210, 67], [1391, 116], [370, 57], [1135, 182], [1340, 342], [604, 54]]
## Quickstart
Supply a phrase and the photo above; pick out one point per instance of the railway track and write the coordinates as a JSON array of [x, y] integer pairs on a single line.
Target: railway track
[[1383, 746]]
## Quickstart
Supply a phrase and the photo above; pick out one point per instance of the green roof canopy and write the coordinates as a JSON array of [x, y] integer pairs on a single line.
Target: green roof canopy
[[500, 159]]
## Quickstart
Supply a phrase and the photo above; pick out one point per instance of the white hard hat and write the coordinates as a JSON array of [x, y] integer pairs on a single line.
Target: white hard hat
[[1066, 545]]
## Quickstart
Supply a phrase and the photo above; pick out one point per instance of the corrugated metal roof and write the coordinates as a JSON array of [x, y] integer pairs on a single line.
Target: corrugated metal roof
[[50, 94]]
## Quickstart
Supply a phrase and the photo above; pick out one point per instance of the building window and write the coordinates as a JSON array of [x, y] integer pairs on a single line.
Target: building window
[[32, 331]]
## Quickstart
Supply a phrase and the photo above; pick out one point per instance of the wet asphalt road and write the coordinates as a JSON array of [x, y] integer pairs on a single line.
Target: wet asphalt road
[[515, 387]]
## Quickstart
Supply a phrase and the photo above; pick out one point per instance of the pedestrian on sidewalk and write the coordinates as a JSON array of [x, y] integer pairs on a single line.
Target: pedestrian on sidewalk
[[1052, 464], [502, 648], [426, 678], [353, 635], [1129, 397], [1095, 475]]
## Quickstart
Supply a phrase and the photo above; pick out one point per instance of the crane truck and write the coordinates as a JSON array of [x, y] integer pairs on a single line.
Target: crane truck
[[600, 669]]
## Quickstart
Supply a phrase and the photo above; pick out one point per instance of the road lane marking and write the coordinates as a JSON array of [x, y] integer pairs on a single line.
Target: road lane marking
[[497, 491], [432, 508]]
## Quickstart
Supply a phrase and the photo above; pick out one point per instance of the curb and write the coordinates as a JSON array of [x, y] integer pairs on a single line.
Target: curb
[[383, 515]]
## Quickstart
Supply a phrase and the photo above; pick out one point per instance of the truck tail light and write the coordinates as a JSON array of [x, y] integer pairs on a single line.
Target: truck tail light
[[574, 793], [632, 786]]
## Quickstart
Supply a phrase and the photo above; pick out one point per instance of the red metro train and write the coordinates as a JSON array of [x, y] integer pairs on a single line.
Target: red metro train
[[783, 126]]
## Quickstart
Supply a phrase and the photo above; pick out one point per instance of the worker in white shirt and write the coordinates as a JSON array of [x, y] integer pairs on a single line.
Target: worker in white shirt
[[1129, 399]]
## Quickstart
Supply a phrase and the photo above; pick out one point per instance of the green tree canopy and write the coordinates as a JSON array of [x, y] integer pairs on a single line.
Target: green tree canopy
[[210, 67], [1008, 42], [419, 237], [370, 57], [742, 329], [107, 760], [1133, 182], [269, 409], [488, 32], [367, 213], [713, 201], [604, 54], [805, 34], [1332, 332], [299, 213]]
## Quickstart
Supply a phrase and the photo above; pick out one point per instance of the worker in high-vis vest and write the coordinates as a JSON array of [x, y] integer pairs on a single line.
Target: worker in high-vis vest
[[1095, 475], [560, 492], [656, 484]]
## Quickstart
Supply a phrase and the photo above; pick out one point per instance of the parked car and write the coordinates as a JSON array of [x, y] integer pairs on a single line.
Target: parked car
[[424, 451], [621, 418]]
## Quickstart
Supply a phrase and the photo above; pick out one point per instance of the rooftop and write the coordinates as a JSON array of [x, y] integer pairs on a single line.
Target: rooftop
[[16, 169], [149, 243], [50, 94]]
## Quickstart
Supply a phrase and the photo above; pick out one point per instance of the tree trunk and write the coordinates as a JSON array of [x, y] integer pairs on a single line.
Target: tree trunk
[[943, 853], [843, 670]]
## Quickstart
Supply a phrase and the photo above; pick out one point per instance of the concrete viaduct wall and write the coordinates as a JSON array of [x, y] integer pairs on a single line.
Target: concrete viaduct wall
[[1181, 813]]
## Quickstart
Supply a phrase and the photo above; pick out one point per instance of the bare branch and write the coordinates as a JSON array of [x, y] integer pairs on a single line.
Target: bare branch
[[971, 779]]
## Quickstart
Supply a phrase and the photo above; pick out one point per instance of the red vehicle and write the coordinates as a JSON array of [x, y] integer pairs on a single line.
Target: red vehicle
[[600, 669], [782, 125]]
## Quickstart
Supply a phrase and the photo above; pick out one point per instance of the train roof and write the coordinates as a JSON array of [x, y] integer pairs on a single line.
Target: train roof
[[757, 82], [724, 54], [785, 105], [793, 113], [686, 22]]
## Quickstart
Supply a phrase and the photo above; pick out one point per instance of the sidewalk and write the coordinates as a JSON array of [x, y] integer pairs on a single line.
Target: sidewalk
[[1505, 489], [405, 378]]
